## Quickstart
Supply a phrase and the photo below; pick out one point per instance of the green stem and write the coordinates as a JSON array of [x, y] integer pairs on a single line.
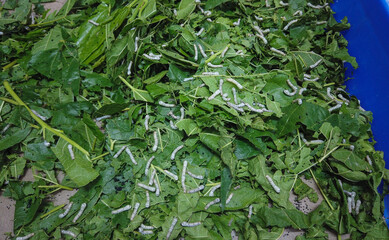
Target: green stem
[[321, 190], [52, 210]]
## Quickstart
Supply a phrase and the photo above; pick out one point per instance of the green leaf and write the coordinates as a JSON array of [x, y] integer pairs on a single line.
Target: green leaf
[[189, 126], [141, 95], [50, 41], [155, 78], [226, 182], [277, 217], [350, 159], [307, 58], [14, 139], [185, 8], [17, 167]]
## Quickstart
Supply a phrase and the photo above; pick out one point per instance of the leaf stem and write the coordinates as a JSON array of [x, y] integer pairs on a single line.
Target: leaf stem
[[9, 65], [52, 210], [100, 156], [321, 190], [320, 160]]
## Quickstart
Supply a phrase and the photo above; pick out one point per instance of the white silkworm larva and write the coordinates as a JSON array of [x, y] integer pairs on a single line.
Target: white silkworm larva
[[157, 189], [175, 12], [200, 177], [316, 64], [348, 193], [147, 205], [277, 51], [172, 175], [267, 3], [152, 56], [129, 153], [188, 79], [202, 10], [209, 20], [184, 166], [200, 32], [172, 125], [151, 180], [151, 189], [148, 165], [171, 228], [369, 160], [299, 101], [213, 189], [357, 206], [93, 22], [258, 18], [237, 187], [67, 209], [196, 54], [233, 81], [343, 98], [146, 227], [82, 208], [102, 117], [146, 232], [352, 147], [70, 148], [314, 142], [237, 23], [259, 30], [284, 4], [274, 186], [299, 12], [171, 114], [287, 92], [173, 155], [329, 93], [210, 73], [202, 51], [136, 44], [117, 211], [135, 211], [254, 109], [38, 115], [264, 40], [290, 23], [26, 237], [182, 110], [321, 22], [316, 6], [207, 13], [291, 85], [129, 68], [349, 202], [335, 107], [221, 86], [250, 211], [229, 198], [187, 224], [168, 105], [147, 118], [46, 143], [70, 233], [217, 200], [195, 190], [302, 90], [240, 52], [224, 51], [214, 66], [119, 152], [303, 138], [353, 201], [311, 80], [217, 92], [235, 96], [155, 147], [234, 106]]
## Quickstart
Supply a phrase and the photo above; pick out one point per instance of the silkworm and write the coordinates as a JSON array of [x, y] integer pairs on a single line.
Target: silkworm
[[146, 227], [290, 94], [253, 109], [302, 90], [217, 92], [119, 152], [207, 13], [234, 106], [200, 177], [123, 209], [151, 180], [171, 114], [175, 12], [173, 155], [224, 51], [311, 80], [169, 232], [200, 32], [262, 38], [348, 193], [129, 153], [151, 56], [258, 29], [187, 224], [283, 18], [172, 125], [335, 107], [172, 175], [357, 206], [198, 189], [369, 160], [321, 22], [250, 211], [46, 143], [240, 52], [314, 142], [38, 115], [299, 101], [316, 6], [290, 23], [202, 51], [103, 117], [147, 118], [151, 189], [195, 52], [277, 51], [188, 79], [184, 166], [329, 93], [237, 23], [147, 205], [148, 164], [352, 147], [217, 200], [229, 198], [235, 96], [213, 189], [284, 4], [157, 189], [343, 98], [82, 208], [135, 211], [182, 110], [209, 20], [214, 66], [202, 10], [210, 73], [349, 200], [221, 81], [67, 209], [237, 187], [274, 186], [258, 18], [69, 233], [93, 22], [136, 44], [146, 232], [70, 148], [353, 201], [299, 12], [129, 68], [26, 237], [236, 83], [316, 64], [155, 147], [267, 3]]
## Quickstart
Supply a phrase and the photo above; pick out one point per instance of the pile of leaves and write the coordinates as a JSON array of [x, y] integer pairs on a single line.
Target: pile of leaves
[[92, 79]]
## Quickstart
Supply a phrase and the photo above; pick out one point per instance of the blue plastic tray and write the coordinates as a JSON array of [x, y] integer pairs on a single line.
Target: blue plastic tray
[[369, 42]]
